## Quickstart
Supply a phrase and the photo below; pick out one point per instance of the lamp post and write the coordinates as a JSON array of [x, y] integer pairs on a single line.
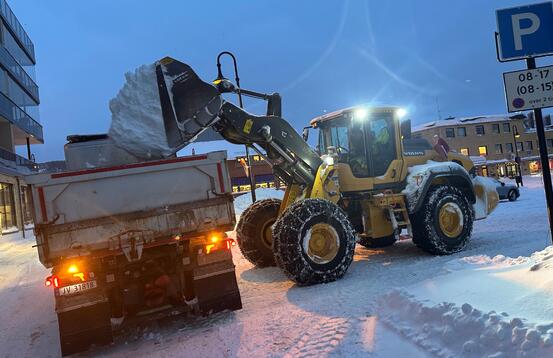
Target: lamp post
[[239, 93], [516, 135]]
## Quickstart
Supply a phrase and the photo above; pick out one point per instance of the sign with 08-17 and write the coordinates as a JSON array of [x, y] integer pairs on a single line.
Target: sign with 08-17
[[529, 89]]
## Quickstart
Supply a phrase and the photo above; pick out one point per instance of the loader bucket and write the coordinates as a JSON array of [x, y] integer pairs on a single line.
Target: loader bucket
[[188, 104], [486, 196]]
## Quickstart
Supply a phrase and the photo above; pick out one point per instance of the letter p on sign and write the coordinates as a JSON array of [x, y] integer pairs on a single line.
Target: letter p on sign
[[518, 31], [525, 31]]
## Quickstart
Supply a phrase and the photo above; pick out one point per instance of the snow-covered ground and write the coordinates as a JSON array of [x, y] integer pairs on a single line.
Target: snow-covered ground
[[393, 302]]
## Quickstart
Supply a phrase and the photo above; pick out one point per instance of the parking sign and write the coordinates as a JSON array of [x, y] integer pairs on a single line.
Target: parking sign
[[525, 31]]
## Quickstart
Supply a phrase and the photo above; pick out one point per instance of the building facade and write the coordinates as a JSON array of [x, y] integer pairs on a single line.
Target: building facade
[[19, 120], [262, 173], [493, 142]]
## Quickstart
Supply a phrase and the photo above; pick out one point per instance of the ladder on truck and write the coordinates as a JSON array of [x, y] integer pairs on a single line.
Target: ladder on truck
[[395, 204]]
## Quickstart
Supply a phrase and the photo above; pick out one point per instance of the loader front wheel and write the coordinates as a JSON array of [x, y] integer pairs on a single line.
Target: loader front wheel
[[254, 232], [443, 225], [313, 242]]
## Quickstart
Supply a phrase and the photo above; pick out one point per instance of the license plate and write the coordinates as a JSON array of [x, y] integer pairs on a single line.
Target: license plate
[[77, 288]]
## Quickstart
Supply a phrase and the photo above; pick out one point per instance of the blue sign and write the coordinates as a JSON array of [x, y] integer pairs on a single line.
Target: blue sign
[[525, 31]]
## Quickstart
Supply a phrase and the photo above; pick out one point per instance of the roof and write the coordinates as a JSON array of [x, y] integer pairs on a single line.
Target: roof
[[343, 111], [452, 121]]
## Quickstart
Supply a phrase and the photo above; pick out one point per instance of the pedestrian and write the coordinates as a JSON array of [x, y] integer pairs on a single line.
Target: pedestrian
[[441, 147]]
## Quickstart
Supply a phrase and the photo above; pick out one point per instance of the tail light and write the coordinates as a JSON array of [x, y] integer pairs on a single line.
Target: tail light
[[218, 241], [53, 280]]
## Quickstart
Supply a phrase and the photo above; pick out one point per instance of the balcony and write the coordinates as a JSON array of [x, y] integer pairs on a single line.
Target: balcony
[[17, 72], [17, 159], [19, 32], [20, 119]]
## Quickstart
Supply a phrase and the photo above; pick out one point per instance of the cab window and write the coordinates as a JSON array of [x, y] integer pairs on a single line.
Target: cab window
[[381, 141]]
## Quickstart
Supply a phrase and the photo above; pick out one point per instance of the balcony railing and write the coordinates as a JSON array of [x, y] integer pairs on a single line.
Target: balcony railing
[[20, 33], [19, 73], [20, 118], [17, 159]]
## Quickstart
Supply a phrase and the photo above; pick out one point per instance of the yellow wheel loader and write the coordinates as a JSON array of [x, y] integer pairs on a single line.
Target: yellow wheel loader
[[366, 183]]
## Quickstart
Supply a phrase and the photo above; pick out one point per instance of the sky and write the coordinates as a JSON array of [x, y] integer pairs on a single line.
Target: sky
[[435, 58]]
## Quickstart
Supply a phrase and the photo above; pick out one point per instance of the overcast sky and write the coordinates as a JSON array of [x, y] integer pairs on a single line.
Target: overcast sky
[[433, 57]]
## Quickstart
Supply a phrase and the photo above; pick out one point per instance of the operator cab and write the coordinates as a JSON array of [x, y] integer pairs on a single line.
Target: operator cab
[[364, 138]]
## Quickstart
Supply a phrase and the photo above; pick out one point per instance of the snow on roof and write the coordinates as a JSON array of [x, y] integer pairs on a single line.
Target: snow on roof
[[452, 121]]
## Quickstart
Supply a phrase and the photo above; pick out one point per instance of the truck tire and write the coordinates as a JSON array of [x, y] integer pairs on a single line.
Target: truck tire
[[371, 243], [254, 232], [82, 327], [443, 224], [313, 242]]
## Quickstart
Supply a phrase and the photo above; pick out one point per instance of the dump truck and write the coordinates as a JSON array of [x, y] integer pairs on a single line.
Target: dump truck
[[368, 182], [131, 237]]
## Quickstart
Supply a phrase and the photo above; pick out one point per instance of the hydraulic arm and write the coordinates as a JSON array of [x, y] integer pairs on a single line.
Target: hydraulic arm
[[190, 106]]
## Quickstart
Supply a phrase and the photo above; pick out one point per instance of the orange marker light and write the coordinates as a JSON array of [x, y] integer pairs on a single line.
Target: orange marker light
[[208, 248], [73, 269]]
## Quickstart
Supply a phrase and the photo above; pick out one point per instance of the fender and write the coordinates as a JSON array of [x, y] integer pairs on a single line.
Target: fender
[[422, 177]]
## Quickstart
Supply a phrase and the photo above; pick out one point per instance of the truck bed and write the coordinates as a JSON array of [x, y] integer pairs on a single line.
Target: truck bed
[[103, 211]]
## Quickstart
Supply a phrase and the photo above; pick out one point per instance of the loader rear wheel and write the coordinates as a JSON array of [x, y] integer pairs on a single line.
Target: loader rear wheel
[[443, 225], [313, 242], [372, 243], [254, 232]]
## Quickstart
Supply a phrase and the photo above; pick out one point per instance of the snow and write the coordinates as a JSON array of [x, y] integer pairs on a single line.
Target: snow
[[392, 302], [243, 201], [136, 118], [418, 174]]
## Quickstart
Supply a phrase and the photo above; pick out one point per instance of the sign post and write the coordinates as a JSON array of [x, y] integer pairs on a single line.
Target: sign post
[[525, 33]]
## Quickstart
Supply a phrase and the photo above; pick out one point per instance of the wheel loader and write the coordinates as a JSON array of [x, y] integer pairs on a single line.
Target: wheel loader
[[367, 182]]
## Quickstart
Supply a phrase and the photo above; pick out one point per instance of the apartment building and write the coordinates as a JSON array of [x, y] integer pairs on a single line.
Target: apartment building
[[493, 142], [19, 120], [262, 173]]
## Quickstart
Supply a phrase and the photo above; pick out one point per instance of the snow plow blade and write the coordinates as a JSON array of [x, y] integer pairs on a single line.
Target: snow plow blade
[[486, 197], [189, 105]]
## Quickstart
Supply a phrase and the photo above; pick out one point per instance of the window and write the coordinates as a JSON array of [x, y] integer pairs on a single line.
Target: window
[[26, 201], [529, 145], [498, 149], [480, 130], [483, 150], [381, 141], [461, 132], [465, 151], [450, 132], [495, 128], [506, 127], [509, 147], [7, 207], [520, 146], [549, 143]]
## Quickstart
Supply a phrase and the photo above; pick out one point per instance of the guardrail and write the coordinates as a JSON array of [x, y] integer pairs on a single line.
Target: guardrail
[[20, 33], [17, 116], [17, 159]]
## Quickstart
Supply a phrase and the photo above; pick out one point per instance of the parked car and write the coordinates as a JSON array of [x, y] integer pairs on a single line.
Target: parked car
[[507, 191]]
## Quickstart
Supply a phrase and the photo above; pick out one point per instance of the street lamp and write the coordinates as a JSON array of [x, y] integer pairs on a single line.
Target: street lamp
[[516, 135], [239, 93]]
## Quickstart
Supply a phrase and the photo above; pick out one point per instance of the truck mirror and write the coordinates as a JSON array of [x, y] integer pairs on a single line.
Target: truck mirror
[[305, 133]]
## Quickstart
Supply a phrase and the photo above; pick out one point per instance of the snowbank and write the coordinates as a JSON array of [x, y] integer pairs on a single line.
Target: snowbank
[[451, 309], [136, 118], [448, 330], [242, 202]]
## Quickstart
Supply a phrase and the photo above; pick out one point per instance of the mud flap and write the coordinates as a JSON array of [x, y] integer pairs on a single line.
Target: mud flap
[[82, 327], [216, 288], [189, 105]]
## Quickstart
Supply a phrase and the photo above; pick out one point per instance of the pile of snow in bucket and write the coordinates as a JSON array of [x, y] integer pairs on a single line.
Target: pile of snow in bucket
[[136, 118], [486, 307]]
